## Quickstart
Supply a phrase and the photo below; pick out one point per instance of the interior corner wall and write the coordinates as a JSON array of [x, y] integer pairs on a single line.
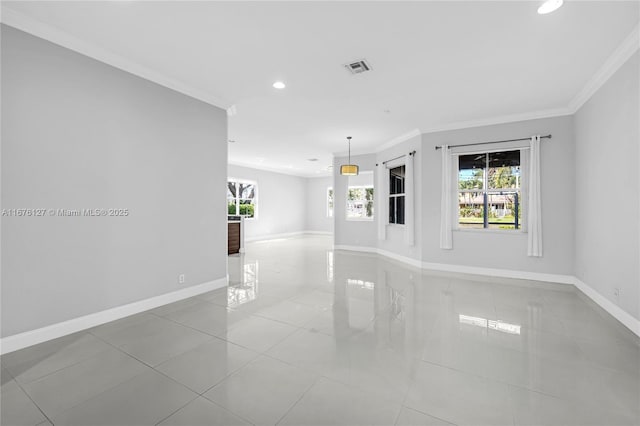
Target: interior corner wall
[[607, 243], [395, 240], [79, 134], [276, 212], [498, 249], [317, 219], [359, 233]]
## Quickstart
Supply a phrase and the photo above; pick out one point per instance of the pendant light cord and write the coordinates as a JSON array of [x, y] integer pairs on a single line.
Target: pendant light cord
[[349, 139]]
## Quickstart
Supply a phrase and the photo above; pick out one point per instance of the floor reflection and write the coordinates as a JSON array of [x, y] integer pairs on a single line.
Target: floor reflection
[[402, 332], [490, 324], [246, 290]]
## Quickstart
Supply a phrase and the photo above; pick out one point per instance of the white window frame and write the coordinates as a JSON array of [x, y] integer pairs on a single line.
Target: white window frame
[[237, 198], [331, 201], [522, 203], [360, 219]]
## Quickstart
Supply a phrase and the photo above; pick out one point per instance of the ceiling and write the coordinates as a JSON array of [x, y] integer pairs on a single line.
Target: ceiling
[[435, 65]]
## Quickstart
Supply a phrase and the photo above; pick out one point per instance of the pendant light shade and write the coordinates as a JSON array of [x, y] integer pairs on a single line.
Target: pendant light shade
[[349, 169]]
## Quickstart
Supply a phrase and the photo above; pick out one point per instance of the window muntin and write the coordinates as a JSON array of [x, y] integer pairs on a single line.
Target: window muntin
[[489, 195], [241, 198], [330, 202], [396, 194], [360, 202]]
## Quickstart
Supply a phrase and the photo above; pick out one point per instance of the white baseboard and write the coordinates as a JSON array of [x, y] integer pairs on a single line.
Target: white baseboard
[[33, 337], [285, 235], [614, 310], [404, 259], [502, 273], [625, 318], [356, 248], [272, 237], [318, 232], [462, 269]]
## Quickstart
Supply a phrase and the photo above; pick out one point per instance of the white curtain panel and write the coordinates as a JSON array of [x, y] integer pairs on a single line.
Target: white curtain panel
[[409, 197], [534, 219], [446, 233], [382, 195]]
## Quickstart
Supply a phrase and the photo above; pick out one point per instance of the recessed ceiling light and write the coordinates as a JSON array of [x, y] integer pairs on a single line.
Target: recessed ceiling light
[[232, 141], [549, 6], [279, 85], [312, 159]]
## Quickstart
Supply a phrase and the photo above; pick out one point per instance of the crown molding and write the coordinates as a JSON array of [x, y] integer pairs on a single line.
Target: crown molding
[[504, 119], [386, 145], [54, 35], [398, 140], [288, 172], [618, 58]]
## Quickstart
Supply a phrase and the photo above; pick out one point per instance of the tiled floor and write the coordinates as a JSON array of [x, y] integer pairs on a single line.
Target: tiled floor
[[305, 335]]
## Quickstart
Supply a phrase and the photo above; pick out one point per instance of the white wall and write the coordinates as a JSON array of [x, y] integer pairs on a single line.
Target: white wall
[[316, 205], [507, 250], [352, 232], [479, 248], [278, 196], [77, 133], [607, 189]]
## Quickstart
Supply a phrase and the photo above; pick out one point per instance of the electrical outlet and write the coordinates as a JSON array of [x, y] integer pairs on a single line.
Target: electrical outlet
[[181, 279]]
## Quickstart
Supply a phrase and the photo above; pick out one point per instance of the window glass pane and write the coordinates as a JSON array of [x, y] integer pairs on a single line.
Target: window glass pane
[[471, 171], [355, 194], [472, 161], [355, 210], [247, 208], [231, 190], [368, 194], [330, 202], [246, 190], [396, 180], [503, 208], [231, 198], [504, 170], [471, 209], [400, 210], [369, 209], [392, 209]]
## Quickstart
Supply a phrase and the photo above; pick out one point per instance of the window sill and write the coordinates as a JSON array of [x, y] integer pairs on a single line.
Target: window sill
[[396, 225]]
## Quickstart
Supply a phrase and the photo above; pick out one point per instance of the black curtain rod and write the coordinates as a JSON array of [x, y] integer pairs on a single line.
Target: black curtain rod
[[399, 156], [484, 143]]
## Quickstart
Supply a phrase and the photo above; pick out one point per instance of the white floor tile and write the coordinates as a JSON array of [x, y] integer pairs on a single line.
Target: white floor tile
[[299, 339], [262, 391], [332, 403]]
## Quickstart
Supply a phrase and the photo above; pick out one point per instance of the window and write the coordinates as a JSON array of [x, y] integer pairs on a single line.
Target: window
[[329, 202], [489, 190], [241, 198], [360, 202], [396, 195]]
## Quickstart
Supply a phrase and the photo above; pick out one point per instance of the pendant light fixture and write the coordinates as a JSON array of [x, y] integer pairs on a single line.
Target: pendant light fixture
[[349, 169]]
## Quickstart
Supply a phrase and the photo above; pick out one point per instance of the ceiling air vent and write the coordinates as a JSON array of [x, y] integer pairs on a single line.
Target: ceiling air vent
[[358, 67]]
